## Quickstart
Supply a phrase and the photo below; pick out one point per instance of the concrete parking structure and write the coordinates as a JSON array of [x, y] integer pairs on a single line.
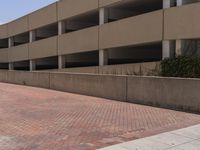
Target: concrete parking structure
[[40, 119], [77, 33]]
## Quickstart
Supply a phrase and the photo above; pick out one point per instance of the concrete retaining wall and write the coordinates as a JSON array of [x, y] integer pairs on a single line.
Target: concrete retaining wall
[[112, 87], [38, 79], [174, 93]]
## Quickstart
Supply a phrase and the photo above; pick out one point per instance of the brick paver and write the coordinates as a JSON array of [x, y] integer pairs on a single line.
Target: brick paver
[[40, 119]]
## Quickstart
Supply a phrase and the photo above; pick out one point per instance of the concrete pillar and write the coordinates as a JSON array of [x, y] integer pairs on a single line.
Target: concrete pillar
[[179, 43], [179, 47], [61, 27], [166, 4], [103, 54], [179, 2], [32, 65], [61, 59], [10, 42], [11, 66], [32, 36], [61, 62], [103, 16], [166, 49], [103, 57]]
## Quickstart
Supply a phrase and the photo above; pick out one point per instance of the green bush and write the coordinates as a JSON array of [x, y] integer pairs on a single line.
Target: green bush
[[187, 67]]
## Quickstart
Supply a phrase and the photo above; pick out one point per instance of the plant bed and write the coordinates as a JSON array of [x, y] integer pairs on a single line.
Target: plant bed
[[182, 66]]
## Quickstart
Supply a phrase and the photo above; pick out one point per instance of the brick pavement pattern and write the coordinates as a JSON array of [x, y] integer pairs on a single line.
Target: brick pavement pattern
[[41, 119]]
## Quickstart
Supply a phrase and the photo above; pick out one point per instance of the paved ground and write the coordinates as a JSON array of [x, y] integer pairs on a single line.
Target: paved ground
[[182, 139], [40, 119]]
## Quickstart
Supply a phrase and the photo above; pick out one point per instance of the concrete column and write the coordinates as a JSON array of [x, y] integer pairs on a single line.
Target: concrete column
[[103, 54], [61, 59], [32, 65], [61, 27], [10, 42], [61, 62], [166, 49], [166, 4], [179, 47], [32, 36], [179, 2], [103, 16], [179, 42], [11, 66], [103, 57]]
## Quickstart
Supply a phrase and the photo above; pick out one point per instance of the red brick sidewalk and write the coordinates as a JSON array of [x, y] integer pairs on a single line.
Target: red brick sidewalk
[[39, 119]]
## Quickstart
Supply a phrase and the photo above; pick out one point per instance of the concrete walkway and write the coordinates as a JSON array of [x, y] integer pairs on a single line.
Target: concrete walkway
[[182, 139]]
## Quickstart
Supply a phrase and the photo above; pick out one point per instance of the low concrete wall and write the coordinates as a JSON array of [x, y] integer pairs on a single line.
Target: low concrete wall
[[176, 93], [38, 79], [173, 93], [112, 87], [3, 76]]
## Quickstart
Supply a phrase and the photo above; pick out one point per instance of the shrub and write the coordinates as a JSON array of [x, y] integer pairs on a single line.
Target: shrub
[[182, 66]]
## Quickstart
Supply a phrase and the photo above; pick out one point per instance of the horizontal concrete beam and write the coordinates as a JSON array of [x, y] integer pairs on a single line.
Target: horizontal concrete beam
[[146, 28], [182, 22], [18, 53]]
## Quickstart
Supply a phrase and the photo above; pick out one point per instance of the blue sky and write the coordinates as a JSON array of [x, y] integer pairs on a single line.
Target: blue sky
[[12, 9]]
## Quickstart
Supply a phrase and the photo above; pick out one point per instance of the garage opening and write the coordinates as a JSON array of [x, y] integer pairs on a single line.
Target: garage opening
[[46, 32], [4, 66], [21, 65], [4, 43], [129, 8], [46, 63], [81, 22], [135, 54], [82, 59], [21, 39]]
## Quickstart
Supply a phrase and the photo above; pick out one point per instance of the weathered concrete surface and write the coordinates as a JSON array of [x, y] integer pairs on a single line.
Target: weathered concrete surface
[[3, 76], [40, 119], [38, 79], [143, 69], [166, 92], [112, 87]]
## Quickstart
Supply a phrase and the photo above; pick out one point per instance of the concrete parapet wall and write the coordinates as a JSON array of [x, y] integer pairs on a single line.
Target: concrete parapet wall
[[4, 55], [173, 93], [148, 28], [144, 69], [93, 70]]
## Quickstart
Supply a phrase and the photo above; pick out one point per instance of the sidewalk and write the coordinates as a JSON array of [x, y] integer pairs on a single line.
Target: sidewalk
[[182, 139]]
